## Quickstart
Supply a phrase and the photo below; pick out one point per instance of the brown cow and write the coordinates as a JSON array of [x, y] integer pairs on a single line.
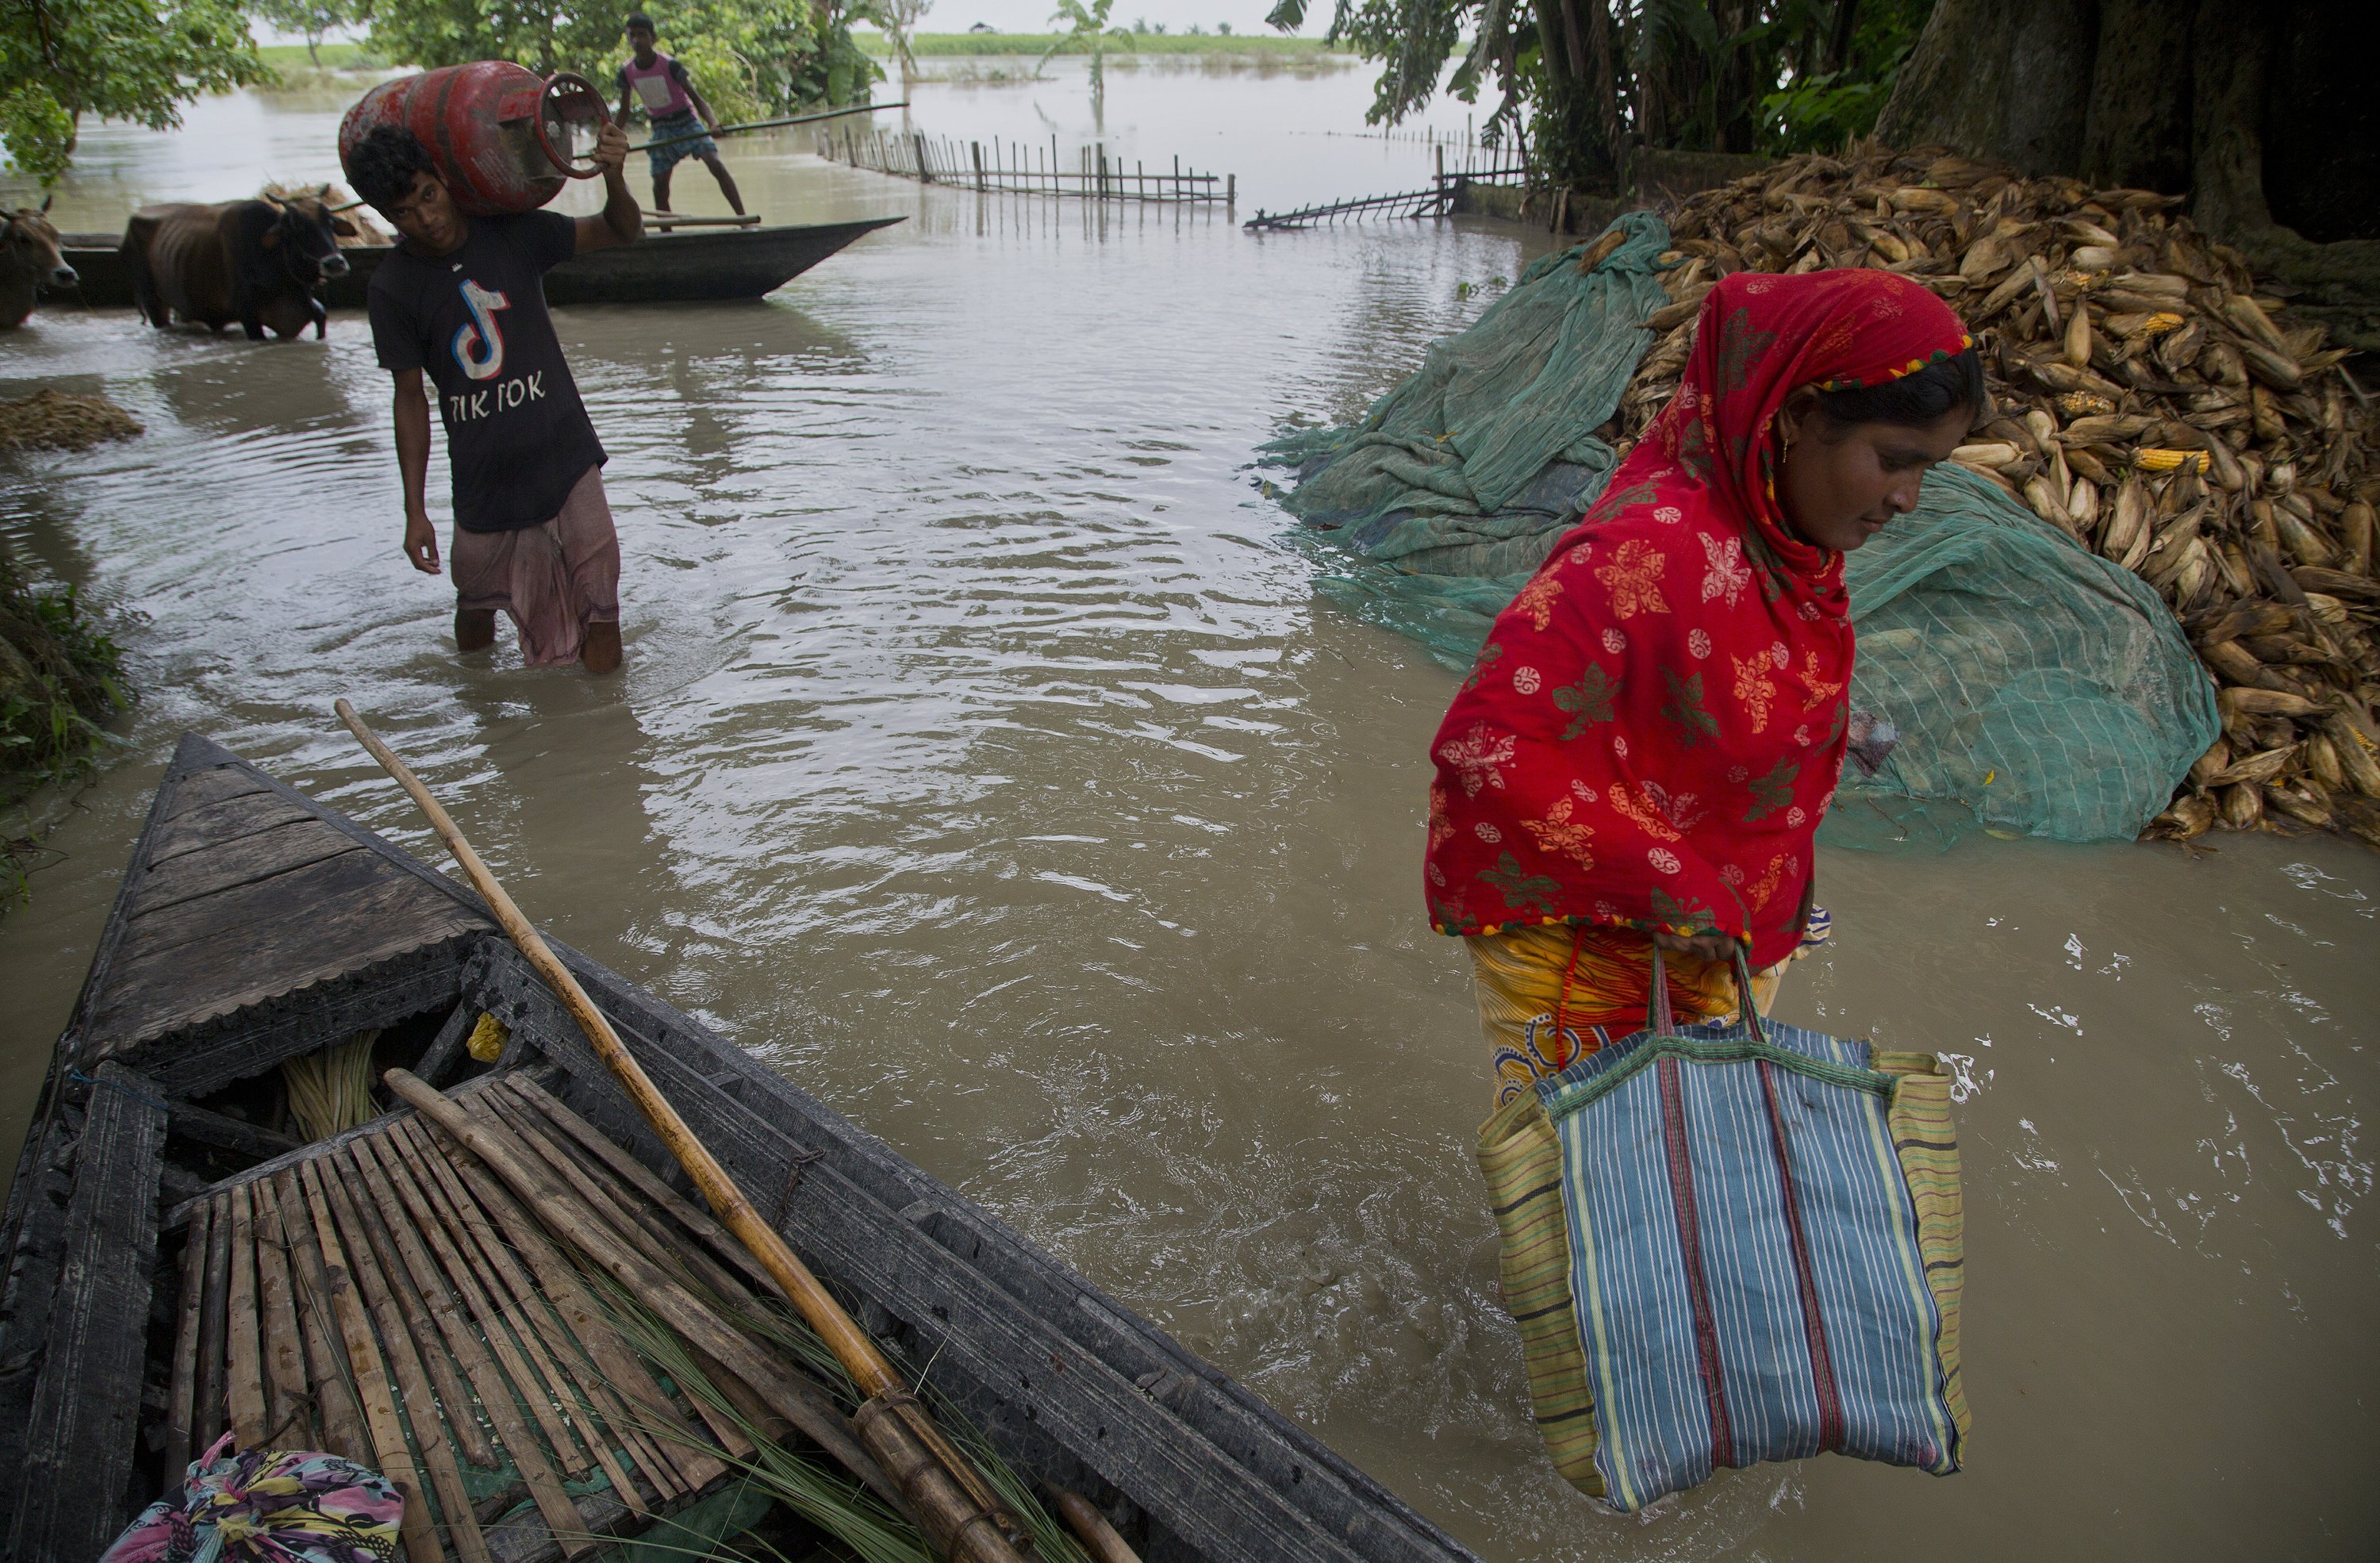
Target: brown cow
[[254, 261], [30, 260]]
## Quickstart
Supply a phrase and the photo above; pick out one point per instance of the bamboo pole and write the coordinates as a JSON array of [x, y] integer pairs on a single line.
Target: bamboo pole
[[788, 1392], [637, 1225], [243, 1358], [378, 1394], [956, 1507], [766, 125], [624, 1372], [418, 1380], [546, 1291], [637, 1176], [348, 1379], [1091, 1528], [207, 1417], [396, 1301], [182, 1393], [289, 1409], [525, 1312], [430, 1223]]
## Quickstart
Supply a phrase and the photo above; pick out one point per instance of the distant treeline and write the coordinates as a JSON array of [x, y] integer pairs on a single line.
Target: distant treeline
[[925, 43]]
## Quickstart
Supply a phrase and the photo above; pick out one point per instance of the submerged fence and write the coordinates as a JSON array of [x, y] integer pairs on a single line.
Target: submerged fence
[[1437, 201], [1016, 168]]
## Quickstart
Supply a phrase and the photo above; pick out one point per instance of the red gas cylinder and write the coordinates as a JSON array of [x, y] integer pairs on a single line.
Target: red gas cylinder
[[502, 136]]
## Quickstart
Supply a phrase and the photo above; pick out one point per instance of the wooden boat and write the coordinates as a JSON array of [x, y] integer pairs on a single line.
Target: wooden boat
[[664, 268], [255, 926]]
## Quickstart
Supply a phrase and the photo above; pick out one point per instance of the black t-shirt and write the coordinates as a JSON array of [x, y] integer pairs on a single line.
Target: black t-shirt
[[517, 436]]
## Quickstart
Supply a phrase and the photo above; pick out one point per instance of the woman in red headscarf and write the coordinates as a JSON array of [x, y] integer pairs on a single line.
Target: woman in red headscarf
[[1657, 723]]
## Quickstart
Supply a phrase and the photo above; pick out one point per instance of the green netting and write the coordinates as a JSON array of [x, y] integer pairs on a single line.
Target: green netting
[[2035, 687], [2045, 688]]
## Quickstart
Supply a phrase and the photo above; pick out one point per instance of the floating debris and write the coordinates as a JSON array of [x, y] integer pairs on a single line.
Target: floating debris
[[63, 420]]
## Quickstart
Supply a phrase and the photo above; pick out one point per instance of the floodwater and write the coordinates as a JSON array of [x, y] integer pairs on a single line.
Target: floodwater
[[985, 762]]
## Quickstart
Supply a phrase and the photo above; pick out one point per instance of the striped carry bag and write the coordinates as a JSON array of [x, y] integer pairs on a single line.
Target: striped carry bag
[[1731, 1243]]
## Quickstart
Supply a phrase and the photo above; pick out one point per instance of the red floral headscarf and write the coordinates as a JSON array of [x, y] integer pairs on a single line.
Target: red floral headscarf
[[1657, 723]]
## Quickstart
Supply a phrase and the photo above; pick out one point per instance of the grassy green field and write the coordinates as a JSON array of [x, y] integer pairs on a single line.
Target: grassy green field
[[927, 44], [290, 58]]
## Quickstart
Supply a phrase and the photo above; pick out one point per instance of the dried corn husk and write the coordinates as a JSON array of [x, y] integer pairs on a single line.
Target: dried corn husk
[[2146, 401]]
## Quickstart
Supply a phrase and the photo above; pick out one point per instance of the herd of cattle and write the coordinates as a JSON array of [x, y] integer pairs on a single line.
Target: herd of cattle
[[260, 262]]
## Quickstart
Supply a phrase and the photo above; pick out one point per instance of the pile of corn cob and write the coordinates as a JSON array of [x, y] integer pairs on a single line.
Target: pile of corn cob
[[2148, 402]]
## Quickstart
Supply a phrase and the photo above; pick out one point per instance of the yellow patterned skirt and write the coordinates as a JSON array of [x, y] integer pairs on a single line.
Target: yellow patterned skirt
[[1550, 995]]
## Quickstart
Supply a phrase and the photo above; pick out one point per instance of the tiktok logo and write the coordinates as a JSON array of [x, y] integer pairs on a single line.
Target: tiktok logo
[[478, 345]]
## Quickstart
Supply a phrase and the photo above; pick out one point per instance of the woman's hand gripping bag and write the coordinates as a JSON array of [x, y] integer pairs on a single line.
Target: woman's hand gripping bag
[[1732, 1242]]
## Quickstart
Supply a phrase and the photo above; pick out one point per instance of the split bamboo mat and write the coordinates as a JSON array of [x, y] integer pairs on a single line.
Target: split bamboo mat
[[390, 1300]]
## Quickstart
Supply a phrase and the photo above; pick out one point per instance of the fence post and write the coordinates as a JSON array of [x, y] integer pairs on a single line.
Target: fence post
[[1231, 192], [1440, 150], [977, 147], [925, 175]]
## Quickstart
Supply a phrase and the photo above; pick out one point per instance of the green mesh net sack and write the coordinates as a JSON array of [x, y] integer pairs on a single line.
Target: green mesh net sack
[[1455, 485], [2012, 680]]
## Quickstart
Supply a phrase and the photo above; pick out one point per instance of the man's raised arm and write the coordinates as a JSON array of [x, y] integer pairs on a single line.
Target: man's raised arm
[[620, 222]]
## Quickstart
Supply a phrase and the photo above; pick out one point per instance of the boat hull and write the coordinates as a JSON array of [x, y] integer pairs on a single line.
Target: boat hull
[[660, 268], [255, 926]]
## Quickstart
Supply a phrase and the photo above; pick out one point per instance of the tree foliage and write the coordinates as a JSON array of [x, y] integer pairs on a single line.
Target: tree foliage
[[310, 20], [1088, 31], [138, 60], [749, 57], [1586, 80]]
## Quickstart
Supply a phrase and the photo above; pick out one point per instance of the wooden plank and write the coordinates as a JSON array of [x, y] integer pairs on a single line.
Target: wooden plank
[[410, 1224], [209, 1417], [446, 1049], [414, 1310], [181, 1395], [243, 1352], [320, 897], [195, 876], [188, 1121], [373, 1392], [534, 1318], [313, 924], [216, 823], [288, 1406], [623, 1371], [789, 1391], [82, 1431], [343, 1432], [468, 1226], [418, 1401], [197, 789], [699, 1221]]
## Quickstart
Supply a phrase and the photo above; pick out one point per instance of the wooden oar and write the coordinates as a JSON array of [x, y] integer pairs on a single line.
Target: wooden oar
[[767, 124], [956, 1507]]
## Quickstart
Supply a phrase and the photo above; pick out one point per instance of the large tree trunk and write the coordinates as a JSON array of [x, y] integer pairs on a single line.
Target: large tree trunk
[[2007, 79], [2144, 93]]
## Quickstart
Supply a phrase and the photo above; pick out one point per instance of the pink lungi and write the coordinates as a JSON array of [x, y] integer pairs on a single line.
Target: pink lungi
[[553, 579]]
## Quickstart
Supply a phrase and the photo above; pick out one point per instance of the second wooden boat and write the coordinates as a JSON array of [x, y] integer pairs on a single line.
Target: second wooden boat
[[658, 269]]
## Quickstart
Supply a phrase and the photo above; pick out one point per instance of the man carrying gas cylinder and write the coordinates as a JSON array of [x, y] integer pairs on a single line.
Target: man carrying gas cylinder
[[463, 300]]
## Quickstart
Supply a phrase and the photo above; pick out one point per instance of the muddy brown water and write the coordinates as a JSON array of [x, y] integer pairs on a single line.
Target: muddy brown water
[[984, 762]]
